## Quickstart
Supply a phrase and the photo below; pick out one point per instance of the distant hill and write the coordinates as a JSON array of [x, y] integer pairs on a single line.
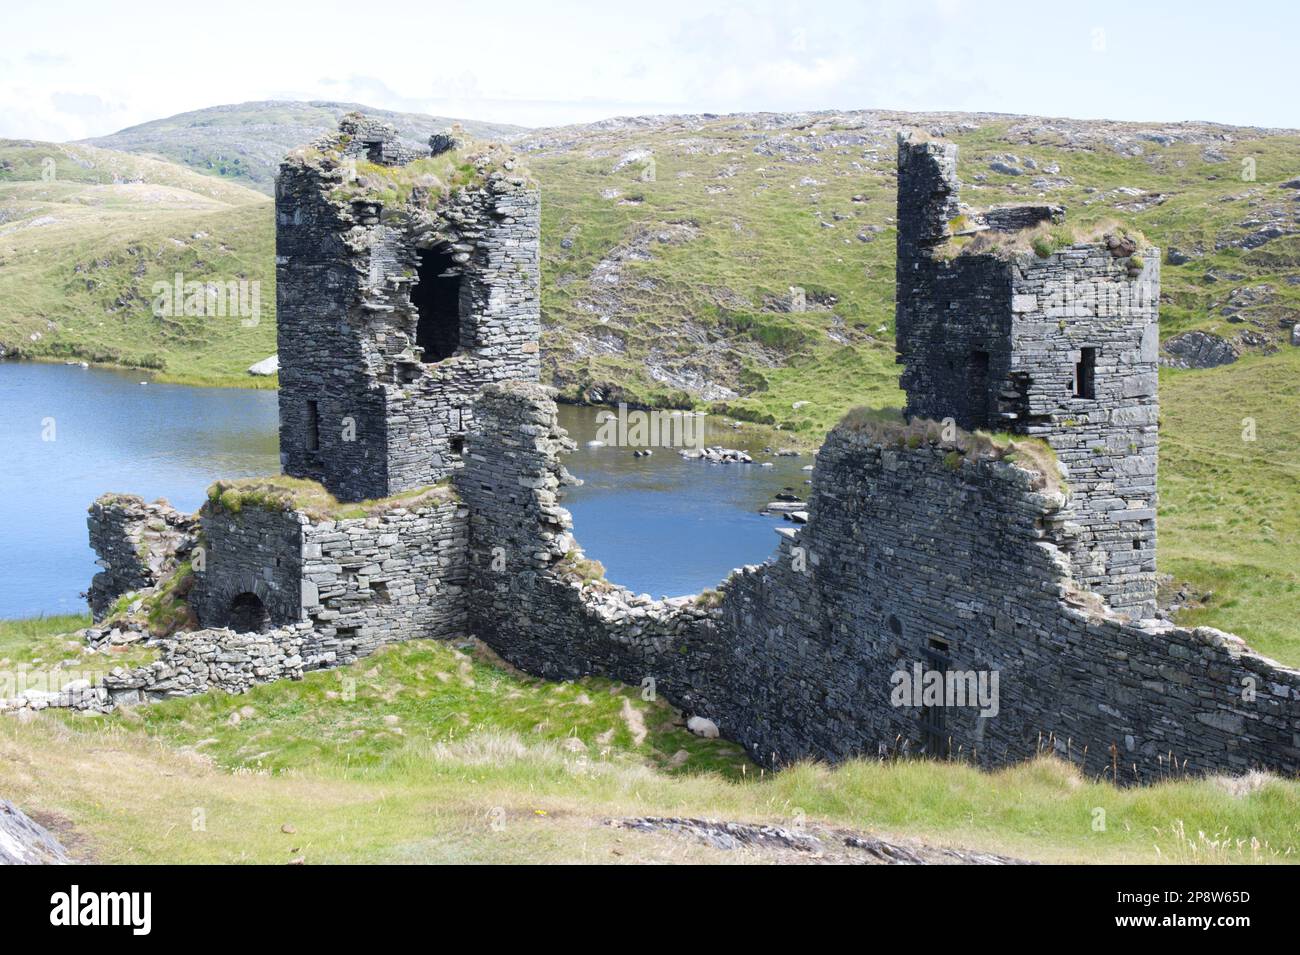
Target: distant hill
[[246, 141], [86, 233]]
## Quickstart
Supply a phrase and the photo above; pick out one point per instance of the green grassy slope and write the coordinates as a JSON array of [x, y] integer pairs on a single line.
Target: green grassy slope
[[426, 753], [81, 251], [1229, 520], [245, 142]]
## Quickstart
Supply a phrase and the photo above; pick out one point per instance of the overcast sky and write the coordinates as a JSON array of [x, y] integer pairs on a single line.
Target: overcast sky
[[70, 70]]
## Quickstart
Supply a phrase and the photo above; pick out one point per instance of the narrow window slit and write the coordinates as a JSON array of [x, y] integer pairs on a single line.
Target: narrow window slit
[[1085, 374], [313, 426]]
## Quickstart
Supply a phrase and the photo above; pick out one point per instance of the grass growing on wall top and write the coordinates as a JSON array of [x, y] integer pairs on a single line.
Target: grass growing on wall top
[[280, 492]]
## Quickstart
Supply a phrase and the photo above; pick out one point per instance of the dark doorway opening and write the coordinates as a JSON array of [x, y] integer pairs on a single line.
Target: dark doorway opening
[[1085, 374], [248, 614], [978, 389], [934, 719], [436, 297]]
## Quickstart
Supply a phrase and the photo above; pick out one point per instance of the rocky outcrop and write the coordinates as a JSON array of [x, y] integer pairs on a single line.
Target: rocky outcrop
[[26, 842], [265, 367], [137, 545], [1199, 350]]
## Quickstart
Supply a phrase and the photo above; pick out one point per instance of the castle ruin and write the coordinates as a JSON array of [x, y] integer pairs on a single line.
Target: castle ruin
[[408, 302]]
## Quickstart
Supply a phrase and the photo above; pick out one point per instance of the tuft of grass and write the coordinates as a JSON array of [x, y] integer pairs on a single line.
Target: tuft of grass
[[582, 568]]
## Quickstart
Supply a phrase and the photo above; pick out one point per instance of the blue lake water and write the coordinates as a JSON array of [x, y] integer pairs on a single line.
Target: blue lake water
[[659, 524]]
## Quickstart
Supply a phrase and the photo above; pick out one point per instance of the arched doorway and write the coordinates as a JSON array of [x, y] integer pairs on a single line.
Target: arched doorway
[[248, 614]]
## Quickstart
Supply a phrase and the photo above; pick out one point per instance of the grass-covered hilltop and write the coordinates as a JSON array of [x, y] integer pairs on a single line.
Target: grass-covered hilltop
[[244, 142]]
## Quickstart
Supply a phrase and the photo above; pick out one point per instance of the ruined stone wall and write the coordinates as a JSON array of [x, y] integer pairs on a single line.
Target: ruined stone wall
[[954, 339], [136, 544], [332, 418], [363, 409], [204, 660], [1084, 297], [375, 141], [399, 575], [952, 314], [360, 581], [494, 231], [253, 550], [912, 554], [995, 340], [354, 584]]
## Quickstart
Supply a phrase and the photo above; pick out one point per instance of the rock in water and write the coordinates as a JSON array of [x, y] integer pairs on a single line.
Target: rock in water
[[24, 842], [267, 366]]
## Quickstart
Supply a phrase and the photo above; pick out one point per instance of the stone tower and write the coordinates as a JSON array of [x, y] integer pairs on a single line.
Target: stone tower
[[1060, 346], [406, 280]]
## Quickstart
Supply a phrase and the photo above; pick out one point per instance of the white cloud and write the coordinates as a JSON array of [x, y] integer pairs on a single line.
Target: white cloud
[[574, 61]]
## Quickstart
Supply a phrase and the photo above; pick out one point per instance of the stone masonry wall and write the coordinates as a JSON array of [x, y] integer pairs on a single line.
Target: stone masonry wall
[[911, 555], [137, 545], [332, 419], [359, 583], [205, 660], [1085, 297], [254, 551], [399, 575], [362, 409], [999, 340]]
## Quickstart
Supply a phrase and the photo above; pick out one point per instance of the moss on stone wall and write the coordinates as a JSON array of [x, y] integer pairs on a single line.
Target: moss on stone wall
[[282, 493]]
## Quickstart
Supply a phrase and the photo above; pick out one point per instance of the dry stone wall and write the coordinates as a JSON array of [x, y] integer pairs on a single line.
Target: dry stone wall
[[204, 660], [913, 555], [137, 545], [364, 407]]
